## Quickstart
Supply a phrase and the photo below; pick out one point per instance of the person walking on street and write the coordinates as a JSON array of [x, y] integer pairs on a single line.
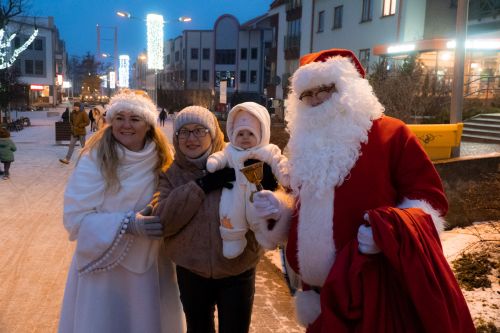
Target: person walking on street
[[92, 120], [7, 149], [163, 116], [65, 116], [188, 208], [78, 120], [120, 279]]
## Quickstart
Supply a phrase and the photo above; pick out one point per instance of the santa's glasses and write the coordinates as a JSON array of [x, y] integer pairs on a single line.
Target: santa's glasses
[[319, 94]]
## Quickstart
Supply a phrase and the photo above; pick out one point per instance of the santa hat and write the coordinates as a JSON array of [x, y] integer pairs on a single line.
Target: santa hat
[[324, 67], [251, 116], [135, 101]]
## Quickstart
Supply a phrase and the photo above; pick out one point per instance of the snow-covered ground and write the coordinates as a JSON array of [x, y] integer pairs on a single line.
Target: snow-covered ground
[[37, 150]]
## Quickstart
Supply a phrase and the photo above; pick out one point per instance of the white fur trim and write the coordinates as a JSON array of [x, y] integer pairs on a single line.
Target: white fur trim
[[137, 104], [307, 307], [439, 221], [325, 73], [316, 249]]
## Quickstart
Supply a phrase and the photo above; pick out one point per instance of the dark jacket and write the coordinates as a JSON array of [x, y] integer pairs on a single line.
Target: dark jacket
[[7, 149]]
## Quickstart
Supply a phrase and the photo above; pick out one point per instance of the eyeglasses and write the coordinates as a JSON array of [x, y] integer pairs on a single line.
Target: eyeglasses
[[321, 94], [199, 132]]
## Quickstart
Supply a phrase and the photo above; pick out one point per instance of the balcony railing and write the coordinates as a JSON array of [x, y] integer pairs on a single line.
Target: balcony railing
[[292, 42]]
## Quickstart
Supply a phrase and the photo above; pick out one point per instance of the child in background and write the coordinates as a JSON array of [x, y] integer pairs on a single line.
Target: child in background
[[7, 149], [249, 130]]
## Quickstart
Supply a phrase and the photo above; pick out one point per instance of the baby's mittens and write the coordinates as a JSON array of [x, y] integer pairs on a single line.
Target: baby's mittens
[[212, 164]]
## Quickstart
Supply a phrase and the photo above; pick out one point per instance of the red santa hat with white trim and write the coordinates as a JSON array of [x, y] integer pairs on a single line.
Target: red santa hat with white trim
[[324, 67]]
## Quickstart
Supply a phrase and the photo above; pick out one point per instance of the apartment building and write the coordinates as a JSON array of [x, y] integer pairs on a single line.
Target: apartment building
[[42, 65], [393, 29], [240, 55]]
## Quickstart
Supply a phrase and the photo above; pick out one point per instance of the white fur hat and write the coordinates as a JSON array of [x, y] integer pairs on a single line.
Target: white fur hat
[[262, 129], [135, 101]]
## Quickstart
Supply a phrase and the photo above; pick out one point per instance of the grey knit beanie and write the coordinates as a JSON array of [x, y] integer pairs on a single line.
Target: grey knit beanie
[[195, 115]]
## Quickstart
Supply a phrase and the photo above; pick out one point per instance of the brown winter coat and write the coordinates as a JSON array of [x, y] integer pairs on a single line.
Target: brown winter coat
[[191, 222], [79, 120]]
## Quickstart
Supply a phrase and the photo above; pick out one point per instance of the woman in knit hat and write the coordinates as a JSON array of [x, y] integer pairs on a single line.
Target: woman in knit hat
[[249, 130], [189, 211], [119, 279]]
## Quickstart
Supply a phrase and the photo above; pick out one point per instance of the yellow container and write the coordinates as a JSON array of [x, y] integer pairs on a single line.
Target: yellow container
[[438, 139]]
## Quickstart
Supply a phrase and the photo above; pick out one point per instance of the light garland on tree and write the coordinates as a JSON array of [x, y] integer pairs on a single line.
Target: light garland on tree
[[154, 23], [123, 71], [5, 47]]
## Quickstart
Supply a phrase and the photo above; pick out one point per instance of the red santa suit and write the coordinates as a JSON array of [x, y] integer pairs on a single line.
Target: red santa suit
[[346, 160]]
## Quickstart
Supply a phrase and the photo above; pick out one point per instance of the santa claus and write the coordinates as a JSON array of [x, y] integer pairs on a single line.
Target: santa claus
[[362, 221]]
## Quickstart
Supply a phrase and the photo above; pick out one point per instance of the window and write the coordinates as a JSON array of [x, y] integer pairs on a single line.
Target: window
[[225, 57], [364, 58], [168, 59], [243, 76], [337, 17], [194, 54], [321, 21], [194, 75], [38, 67], [253, 76], [38, 44], [205, 75], [28, 66], [366, 14], [176, 56], [389, 8], [206, 54], [253, 54], [17, 42], [224, 75], [243, 54]]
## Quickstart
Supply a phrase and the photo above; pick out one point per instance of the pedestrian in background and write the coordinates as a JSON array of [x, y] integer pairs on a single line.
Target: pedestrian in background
[[98, 114], [188, 208], [92, 120], [163, 116], [65, 116], [7, 149], [120, 279], [78, 120]]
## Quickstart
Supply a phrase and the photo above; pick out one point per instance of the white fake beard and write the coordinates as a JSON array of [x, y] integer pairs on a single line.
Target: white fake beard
[[325, 142]]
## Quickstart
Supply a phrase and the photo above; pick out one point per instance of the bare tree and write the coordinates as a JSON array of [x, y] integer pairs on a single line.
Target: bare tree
[[10, 9]]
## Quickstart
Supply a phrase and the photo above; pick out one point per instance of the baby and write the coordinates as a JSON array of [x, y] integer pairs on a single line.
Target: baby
[[249, 130]]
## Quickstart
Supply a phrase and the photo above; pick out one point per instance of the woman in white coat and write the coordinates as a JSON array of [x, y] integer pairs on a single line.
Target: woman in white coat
[[119, 279]]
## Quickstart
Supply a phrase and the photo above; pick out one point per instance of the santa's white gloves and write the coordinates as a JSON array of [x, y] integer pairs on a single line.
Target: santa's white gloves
[[365, 239], [266, 205], [145, 226]]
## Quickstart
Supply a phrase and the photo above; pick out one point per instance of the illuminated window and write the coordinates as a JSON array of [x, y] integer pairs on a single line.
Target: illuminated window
[[389, 8]]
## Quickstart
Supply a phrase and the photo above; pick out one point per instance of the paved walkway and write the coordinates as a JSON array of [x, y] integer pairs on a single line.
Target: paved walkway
[[35, 252]]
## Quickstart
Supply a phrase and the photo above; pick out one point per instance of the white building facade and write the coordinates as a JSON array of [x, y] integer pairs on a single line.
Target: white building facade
[[42, 67]]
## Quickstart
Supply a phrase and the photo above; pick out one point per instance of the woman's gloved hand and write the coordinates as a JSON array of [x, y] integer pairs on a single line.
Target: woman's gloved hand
[[218, 179]]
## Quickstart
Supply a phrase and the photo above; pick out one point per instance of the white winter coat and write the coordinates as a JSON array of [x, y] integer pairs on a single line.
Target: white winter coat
[[117, 282]]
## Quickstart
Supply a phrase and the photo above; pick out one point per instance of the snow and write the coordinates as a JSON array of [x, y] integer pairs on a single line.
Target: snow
[[36, 163]]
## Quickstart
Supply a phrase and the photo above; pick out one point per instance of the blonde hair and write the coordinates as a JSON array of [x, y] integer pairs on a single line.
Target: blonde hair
[[107, 152]]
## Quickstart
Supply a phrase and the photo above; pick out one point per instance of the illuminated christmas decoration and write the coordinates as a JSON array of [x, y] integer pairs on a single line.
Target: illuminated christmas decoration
[[112, 80], [154, 24], [123, 70], [104, 81], [9, 56]]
